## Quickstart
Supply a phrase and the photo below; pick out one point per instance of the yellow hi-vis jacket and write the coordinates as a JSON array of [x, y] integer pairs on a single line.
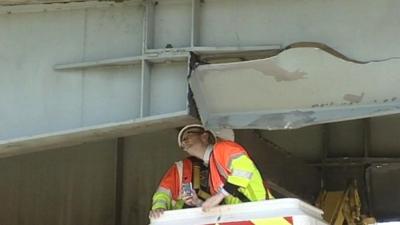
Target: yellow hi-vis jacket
[[231, 167], [168, 194], [232, 170]]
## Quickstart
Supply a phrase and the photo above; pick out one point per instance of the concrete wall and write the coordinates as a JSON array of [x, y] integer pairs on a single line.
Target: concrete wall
[[385, 136], [74, 186], [305, 143], [279, 168], [344, 139], [77, 185], [345, 26], [146, 158], [40, 100]]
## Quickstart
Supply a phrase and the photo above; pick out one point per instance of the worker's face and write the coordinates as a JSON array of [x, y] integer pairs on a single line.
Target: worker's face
[[195, 141]]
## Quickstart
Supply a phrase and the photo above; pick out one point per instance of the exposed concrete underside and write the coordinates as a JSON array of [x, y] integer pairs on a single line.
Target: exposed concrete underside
[[96, 133], [28, 2], [296, 88]]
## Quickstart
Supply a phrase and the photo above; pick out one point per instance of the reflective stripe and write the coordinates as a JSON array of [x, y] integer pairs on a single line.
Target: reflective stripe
[[160, 203], [164, 190], [242, 174], [179, 167], [221, 170], [223, 191], [230, 200], [235, 156]]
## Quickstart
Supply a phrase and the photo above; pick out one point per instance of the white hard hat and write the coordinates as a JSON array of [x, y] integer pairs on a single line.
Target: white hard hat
[[199, 126], [225, 133]]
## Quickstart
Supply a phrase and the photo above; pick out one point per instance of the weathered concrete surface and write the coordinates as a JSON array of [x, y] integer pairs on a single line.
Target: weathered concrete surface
[[299, 87], [288, 172], [25, 2], [67, 186], [146, 158]]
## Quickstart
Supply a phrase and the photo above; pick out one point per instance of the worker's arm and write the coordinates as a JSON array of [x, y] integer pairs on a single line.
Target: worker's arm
[[213, 201], [162, 198], [242, 169]]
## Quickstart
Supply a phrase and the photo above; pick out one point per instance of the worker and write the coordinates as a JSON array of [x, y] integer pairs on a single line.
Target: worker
[[188, 174], [184, 185], [234, 177]]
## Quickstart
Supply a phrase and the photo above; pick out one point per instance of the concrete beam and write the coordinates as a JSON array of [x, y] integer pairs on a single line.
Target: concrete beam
[[301, 86], [26, 2], [89, 134]]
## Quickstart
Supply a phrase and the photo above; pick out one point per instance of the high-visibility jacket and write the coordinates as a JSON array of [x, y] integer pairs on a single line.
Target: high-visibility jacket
[[168, 194], [231, 167]]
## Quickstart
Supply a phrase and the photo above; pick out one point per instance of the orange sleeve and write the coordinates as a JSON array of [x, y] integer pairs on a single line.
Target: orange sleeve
[[170, 181]]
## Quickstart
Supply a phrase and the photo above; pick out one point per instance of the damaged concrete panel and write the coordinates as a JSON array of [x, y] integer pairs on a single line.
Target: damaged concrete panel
[[298, 87]]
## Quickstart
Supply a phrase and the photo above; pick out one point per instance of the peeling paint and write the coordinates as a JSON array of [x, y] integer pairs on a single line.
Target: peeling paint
[[326, 88], [288, 120], [353, 98], [280, 74], [266, 68]]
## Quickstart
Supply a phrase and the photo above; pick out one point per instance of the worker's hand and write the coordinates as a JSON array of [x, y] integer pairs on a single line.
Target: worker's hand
[[213, 201], [156, 213], [192, 200]]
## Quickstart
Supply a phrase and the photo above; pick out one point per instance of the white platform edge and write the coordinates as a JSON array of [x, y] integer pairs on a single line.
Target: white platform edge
[[242, 212]]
